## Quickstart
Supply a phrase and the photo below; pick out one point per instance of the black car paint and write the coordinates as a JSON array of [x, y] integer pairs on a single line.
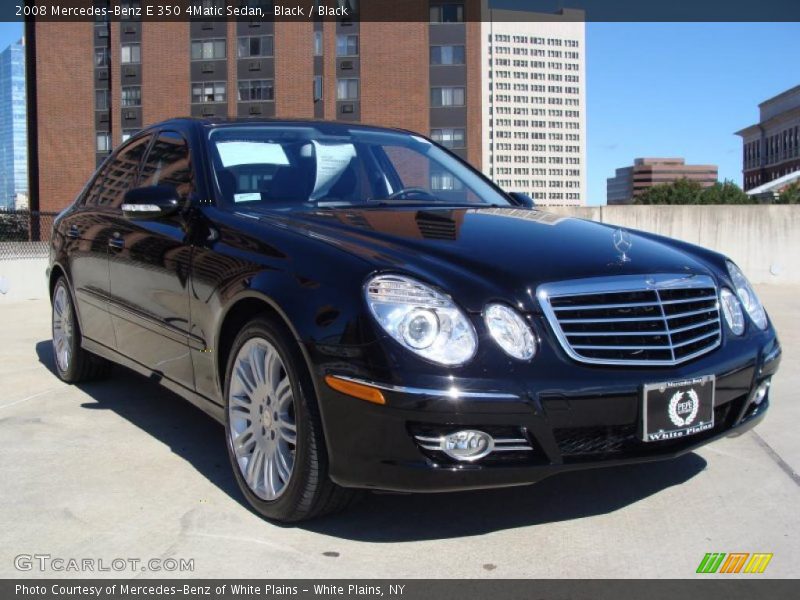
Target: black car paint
[[159, 296]]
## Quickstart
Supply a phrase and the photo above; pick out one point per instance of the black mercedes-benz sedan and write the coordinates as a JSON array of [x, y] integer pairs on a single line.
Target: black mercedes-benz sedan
[[364, 310]]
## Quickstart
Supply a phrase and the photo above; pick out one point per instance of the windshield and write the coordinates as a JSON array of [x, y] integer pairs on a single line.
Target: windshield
[[270, 166]]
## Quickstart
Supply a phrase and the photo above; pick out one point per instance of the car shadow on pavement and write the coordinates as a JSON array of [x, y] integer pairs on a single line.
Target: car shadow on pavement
[[383, 518]]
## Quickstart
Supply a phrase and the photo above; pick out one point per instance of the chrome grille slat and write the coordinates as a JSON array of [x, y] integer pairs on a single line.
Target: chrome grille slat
[[612, 320], [692, 313], [590, 318], [687, 300], [695, 326]]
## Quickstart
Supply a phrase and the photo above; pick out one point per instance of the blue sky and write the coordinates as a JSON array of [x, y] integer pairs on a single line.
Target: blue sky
[[669, 89], [680, 89]]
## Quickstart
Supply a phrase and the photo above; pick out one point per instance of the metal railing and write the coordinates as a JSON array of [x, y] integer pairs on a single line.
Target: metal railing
[[25, 234]]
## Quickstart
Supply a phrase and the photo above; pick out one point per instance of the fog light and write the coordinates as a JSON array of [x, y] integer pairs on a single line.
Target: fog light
[[761, 392], [467, 445]]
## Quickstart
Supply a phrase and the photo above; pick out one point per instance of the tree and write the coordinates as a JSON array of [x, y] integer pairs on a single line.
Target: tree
[[790, 194], [685, 191], [681, 191], [725, 193]]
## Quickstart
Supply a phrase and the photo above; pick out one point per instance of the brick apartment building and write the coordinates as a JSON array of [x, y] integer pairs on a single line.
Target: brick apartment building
[[629, 182], [771, 147], [93, 84]]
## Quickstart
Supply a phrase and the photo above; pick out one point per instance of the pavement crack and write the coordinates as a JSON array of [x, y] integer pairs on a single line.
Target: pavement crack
[[784, 466]]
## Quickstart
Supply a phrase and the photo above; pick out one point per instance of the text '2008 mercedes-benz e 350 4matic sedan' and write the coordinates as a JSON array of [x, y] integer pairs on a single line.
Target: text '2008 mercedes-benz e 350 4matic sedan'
[[364, 310]]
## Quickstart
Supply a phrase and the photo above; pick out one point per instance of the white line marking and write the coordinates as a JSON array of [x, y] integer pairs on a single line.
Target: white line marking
[[28, 398]]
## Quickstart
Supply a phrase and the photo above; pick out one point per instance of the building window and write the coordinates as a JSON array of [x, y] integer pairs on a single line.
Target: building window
[[131, 54], [255, 90], [447, 13], [447, 96], [346, 45], [317, 88], [208, 91], [208, 50], [128, 134], [449, 138], [131, 95], [445, 181], [101, 57], [103, 142], [318, 43], [347, 89], [447, 55], [101, 99], [260, 45]]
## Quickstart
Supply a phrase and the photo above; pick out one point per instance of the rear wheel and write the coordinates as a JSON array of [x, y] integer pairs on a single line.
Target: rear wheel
[[73, 363], [273, 428]]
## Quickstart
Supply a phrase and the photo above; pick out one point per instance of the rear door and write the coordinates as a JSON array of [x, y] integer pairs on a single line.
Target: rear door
[[149, 267], [86, 229]]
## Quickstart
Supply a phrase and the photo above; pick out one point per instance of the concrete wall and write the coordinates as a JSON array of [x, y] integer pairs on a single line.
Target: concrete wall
[[22, 279], [764, 240]]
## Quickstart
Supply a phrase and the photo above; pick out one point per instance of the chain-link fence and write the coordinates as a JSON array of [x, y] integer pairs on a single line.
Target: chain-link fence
[[25, 234]]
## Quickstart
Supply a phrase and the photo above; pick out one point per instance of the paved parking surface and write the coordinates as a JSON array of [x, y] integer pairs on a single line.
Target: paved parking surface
[[124, 469]]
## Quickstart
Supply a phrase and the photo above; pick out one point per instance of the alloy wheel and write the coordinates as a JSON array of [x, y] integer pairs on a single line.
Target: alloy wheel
[[62, 328], [261, 413]]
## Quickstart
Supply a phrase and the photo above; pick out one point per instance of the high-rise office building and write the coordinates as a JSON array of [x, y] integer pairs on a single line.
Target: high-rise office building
[[534, 94], [630, 182], [771, 147], [13, 126], [427, 70]]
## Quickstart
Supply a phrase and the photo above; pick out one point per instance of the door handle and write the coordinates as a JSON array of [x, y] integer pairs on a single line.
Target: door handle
[[116, 241], [73, 232]]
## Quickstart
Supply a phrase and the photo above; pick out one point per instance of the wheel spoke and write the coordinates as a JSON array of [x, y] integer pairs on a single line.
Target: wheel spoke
[[288, 433], [283, 392], [270, 484], [273, 366], [284, 470], [245, 377], [257, 366], [253, 466]]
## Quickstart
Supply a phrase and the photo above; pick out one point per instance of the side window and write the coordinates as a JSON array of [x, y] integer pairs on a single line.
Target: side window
[[121, 173], [92, 194], [168, 163]]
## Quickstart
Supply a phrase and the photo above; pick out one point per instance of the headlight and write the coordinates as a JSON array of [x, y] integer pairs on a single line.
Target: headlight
[[421, 319], [732, 310], [510, 331], [748, 297]]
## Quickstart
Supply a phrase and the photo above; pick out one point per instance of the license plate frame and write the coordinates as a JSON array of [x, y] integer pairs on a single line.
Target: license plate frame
[[673, 410]]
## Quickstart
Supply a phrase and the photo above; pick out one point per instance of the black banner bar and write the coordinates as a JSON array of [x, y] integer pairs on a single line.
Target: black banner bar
[[402, 10], [715, 587]]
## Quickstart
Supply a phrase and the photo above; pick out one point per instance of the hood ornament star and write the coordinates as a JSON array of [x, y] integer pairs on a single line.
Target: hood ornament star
[[622, 242]]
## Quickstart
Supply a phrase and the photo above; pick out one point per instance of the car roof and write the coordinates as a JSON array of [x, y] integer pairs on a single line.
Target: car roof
[[219, 122]]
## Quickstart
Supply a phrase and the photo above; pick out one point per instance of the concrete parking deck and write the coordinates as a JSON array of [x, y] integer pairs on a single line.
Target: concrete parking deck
[[124, 469]]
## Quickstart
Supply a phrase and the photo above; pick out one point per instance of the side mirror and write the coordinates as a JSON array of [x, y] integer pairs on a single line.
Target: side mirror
[[522, 200], [150, 202]]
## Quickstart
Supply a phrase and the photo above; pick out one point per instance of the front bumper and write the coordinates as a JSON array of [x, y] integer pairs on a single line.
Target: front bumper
[[573, 417]]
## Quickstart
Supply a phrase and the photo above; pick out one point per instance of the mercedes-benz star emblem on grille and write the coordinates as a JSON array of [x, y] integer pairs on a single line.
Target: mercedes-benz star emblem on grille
[[682, 412], [622, 242]]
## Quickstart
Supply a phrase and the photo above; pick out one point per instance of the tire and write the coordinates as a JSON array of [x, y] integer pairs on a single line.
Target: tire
[[266, 430], [73, 363]]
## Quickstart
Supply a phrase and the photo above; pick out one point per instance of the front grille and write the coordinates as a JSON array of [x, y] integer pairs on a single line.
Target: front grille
[[634, 320]]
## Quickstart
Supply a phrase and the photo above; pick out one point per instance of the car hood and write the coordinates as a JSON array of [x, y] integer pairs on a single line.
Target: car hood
[[486, 254]]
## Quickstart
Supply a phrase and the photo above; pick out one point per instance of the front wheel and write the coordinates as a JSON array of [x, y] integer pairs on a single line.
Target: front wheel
[[273, 428]]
